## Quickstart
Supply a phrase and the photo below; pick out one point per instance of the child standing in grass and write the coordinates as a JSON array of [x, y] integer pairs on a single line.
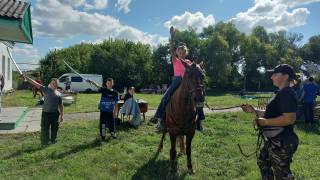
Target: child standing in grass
[[108, 108]]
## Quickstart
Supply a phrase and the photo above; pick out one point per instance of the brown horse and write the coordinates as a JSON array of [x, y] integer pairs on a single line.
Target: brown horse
[[35, 90], [180, 118]]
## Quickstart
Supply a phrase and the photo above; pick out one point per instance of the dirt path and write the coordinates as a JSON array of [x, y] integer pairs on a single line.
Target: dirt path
[[150, 113], [31, 122]]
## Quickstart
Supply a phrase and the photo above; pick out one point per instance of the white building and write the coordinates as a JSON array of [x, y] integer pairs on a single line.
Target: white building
[[6, 65], [15, 26]]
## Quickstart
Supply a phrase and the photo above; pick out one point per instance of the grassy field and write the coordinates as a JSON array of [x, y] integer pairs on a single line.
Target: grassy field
[[79, 155], [89, 102]]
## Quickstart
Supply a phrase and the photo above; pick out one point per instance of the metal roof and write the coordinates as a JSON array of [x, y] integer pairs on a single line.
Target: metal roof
[[13, 8]]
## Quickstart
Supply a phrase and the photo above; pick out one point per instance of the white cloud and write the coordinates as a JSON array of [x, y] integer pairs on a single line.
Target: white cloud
[[96, 4], [62, 20], [197, 21], [100, 4], [55, 48], [295, 3], [26, 54], [123, 5], [27, 51], [274, 15], [58, 41]]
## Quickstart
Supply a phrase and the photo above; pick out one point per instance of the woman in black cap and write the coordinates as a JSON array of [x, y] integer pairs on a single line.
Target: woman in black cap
[[276, 123]]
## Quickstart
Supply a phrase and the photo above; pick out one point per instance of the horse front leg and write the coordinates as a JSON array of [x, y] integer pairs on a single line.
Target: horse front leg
[[189, 140]]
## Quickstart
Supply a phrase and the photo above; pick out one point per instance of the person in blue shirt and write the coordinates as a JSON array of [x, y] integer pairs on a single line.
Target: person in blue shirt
[[308, 98], [108, 108]]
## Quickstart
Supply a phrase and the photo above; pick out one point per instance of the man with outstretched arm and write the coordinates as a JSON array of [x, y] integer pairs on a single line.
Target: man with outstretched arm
[[52, 109]]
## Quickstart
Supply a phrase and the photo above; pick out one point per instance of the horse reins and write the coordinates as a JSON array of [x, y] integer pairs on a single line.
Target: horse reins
[[218, 109], [260, 139], [257, 128]]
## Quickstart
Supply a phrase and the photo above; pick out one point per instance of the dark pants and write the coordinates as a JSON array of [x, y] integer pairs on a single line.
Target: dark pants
[[276, 156], [200, 117], [300, 113], [167, 95], [49, 121], [308, 112], [106, 119]]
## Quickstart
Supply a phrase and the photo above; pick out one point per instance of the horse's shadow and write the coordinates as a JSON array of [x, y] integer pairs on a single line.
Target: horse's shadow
[[154, 170], [125, 126]]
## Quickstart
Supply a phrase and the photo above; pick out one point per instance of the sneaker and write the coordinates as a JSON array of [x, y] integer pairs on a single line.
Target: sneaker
[[114, 135]]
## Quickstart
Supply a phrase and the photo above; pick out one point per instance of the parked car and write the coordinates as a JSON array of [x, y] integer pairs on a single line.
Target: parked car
[[78, 84]]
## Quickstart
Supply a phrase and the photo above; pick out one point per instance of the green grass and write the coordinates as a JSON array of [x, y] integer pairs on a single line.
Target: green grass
[[78, 155], [89, 102], [85, 102], [19, 98]]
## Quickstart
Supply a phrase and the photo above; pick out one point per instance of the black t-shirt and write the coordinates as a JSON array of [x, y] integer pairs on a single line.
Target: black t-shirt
[[285, 101], [108, 100]]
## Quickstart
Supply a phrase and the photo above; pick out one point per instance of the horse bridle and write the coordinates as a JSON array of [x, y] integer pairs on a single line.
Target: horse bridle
[[199, 88]]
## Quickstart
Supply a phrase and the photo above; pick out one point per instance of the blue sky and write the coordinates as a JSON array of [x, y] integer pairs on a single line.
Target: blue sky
[[62, 23]]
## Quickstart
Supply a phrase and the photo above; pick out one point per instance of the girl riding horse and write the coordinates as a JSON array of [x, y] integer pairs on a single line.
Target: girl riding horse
[[179, 62], [181, 112]]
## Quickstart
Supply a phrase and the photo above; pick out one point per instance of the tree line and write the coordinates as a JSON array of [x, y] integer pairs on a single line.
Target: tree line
[[233, 60]]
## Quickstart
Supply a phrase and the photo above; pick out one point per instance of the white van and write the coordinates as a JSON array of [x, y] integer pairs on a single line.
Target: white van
[[79, 84]]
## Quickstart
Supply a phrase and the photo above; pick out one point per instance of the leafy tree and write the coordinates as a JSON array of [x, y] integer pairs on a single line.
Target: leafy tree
[[217, 60], [311, 50]]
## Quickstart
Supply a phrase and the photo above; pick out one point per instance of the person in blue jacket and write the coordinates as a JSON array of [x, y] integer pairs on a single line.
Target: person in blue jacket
[[308, 99]]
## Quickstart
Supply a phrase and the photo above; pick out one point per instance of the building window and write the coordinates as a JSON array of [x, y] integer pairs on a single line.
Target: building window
[[4, 66], [9, 69]]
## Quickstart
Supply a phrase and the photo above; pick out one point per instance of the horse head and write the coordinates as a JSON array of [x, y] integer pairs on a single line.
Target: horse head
[[195, 76]]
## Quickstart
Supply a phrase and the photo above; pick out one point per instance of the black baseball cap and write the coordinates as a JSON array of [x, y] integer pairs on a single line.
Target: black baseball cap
[[284, 69]]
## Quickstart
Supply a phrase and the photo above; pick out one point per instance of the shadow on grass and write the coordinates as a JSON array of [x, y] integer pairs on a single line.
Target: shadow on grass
[[154, 170], [125, 126], [79, 148], [24, 151], [312, 129]]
